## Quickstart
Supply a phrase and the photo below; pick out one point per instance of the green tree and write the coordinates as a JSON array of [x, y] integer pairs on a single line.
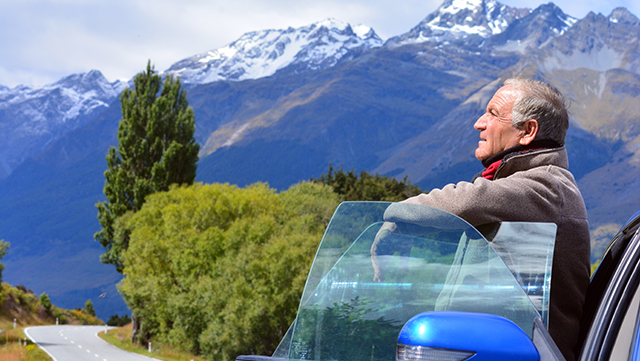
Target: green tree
[[45, 302], [88, 306], [367, 187], [219, 270], [118, 321], [156, 148], [4, 248]]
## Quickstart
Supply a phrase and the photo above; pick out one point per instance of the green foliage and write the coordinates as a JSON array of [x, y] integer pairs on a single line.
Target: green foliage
[[45, 302], [4, 248], [343, 328], [118, 321], [81, 316], [29, 309], [60, 315], [367, 187], [219, 270], [156, 148], [88, 306], [23, 298]]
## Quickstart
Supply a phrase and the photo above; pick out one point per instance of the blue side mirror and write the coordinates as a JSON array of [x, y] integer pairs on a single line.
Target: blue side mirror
[[459, 336]]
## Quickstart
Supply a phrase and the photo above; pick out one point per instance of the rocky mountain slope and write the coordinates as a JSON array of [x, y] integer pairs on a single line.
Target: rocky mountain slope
[[33, 119], [280, 105]]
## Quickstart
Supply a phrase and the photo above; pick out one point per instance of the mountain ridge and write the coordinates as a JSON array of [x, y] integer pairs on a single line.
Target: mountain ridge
[[33, 119], [259, 54], [460, 19]]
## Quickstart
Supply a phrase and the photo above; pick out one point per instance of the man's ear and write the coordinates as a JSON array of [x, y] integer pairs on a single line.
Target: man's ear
[[530, 130]]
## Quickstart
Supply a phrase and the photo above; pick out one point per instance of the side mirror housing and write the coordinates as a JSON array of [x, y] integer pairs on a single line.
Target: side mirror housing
[[458, 336]]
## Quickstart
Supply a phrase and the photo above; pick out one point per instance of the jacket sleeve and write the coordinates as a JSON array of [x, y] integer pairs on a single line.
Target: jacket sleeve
[[519, 197]]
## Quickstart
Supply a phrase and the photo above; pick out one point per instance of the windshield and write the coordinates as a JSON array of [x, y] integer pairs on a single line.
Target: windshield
[[426, 260]]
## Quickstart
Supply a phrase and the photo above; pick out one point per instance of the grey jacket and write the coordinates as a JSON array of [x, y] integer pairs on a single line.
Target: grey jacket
[[534, 187]]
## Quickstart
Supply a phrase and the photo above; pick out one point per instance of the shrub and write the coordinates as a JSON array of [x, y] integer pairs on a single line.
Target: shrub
[[88, 306], [45, 302], [115, 320]]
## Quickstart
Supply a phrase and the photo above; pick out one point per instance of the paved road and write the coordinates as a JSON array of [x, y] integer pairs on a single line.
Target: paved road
[[77, 343]]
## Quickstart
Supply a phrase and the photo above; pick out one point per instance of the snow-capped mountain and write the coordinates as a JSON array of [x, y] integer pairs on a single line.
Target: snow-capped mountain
[[261, 53], [458, 19], [534, 30], [31, 119], [597, 42]]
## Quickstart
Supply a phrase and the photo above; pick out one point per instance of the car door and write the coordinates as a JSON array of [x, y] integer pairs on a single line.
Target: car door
[[433, 261], [438, 263], [610, 325]]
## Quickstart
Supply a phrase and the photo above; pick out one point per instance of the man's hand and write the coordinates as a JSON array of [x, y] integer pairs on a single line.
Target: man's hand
[[379, 263]]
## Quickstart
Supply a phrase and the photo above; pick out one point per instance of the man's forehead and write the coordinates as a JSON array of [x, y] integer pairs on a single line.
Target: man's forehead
[[506, 94], [509, 88]]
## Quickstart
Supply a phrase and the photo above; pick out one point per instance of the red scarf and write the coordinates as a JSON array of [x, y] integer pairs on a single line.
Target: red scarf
[[490, 172], [492, 163]]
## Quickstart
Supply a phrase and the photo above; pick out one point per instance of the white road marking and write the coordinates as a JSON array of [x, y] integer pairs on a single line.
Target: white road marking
[[80, 346], [26, 332]]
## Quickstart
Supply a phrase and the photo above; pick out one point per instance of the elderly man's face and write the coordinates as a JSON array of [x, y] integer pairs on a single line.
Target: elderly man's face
[[496, 132]]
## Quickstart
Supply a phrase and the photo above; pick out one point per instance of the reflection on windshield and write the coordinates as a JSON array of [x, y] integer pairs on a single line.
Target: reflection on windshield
[[431, 260], [527, 250]]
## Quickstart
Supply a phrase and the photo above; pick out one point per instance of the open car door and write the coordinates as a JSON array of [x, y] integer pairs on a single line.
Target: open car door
[[432, 262]]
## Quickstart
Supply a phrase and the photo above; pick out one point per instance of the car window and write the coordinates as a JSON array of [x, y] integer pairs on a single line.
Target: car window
[[432, 260]]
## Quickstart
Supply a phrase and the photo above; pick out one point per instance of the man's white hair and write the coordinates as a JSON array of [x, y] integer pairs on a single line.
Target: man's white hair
[[542, 102]]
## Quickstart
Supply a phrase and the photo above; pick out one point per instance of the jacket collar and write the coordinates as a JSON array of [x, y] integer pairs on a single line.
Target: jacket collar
[[519, 149], [509, 161], [532, 159]]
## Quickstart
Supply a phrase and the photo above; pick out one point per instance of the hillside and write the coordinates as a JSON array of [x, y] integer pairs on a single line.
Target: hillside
[[27, 309]]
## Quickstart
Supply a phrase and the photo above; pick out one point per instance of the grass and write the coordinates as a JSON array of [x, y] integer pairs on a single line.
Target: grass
[[121, 338], [12, 347]]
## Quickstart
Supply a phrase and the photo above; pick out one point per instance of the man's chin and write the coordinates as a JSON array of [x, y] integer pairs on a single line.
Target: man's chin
[[480, 155]]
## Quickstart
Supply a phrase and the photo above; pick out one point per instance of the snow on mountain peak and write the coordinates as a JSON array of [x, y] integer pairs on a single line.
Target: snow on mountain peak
[[455, 6], [622, 15], [84, 90], [363, 31], [259, 54], [461, 18]]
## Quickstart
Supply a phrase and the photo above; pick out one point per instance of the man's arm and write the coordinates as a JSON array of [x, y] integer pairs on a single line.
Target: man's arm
[[378, 263], [516, 198]]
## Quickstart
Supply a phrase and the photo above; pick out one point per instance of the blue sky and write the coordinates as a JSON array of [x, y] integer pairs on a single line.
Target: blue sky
[[42, 41]]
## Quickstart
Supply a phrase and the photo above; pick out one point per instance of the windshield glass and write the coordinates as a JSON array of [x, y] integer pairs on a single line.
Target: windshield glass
[[426, 259]]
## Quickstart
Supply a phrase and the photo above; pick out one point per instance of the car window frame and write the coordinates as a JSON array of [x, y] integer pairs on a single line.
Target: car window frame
[[614, 303], [624, 344]]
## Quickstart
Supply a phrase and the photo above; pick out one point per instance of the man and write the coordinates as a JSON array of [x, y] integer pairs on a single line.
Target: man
[[526, 179]]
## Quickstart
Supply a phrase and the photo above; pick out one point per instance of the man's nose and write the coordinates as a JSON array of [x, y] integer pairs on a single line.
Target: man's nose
[[480, 123]]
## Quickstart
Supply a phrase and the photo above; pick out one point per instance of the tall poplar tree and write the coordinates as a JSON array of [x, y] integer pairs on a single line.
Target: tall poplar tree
[[156, 148]]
